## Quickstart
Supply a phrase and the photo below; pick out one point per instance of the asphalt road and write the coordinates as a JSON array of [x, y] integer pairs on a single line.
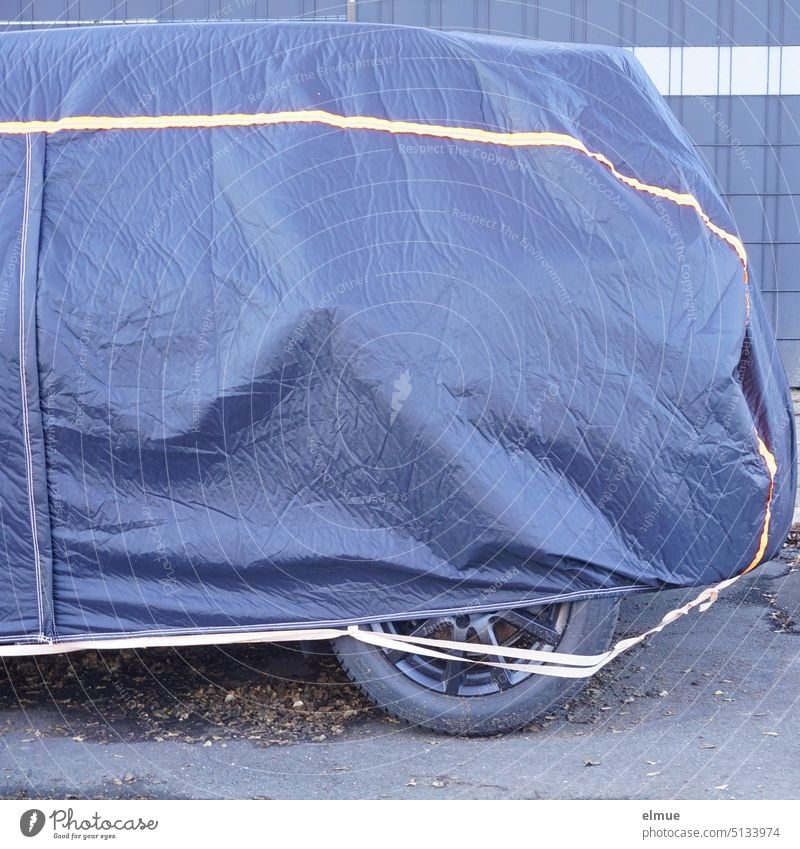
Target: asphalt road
[[707, 709]]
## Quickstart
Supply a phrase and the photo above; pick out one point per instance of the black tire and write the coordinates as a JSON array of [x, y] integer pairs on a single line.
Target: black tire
[[477, 708]]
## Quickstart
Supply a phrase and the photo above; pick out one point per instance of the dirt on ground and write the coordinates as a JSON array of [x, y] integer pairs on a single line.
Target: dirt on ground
[[265, 694]]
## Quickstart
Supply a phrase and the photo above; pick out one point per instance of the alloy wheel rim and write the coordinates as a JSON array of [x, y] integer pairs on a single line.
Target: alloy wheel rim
[[539, 627]]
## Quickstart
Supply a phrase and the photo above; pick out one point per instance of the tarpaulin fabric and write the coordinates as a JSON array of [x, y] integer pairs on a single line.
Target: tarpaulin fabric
[[312, 324]]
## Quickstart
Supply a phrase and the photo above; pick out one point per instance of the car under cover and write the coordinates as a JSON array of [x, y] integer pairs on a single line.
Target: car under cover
[[321, 323]]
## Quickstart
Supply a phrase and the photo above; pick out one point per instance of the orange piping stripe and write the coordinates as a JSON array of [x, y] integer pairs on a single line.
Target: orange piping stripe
[[466, 134], [363, 122], [772, 468]]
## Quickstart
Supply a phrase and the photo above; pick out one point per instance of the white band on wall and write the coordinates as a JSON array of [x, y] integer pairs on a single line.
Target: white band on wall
[[739, 70]]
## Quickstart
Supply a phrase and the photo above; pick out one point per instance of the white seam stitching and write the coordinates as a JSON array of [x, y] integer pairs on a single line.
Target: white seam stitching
[[321, 623], [570, 666], [24, 385]]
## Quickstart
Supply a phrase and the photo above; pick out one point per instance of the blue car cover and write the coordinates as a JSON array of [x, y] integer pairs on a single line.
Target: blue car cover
[[307, 324]]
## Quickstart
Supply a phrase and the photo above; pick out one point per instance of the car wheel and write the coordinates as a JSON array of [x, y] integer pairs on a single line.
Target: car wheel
[[469, 699]]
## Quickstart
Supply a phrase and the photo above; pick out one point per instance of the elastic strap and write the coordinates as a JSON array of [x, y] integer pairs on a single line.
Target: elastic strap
[[555, 664]]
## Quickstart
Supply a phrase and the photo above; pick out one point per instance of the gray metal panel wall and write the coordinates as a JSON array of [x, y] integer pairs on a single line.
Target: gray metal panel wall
[[168, 10], [623, 23], [752, 143]]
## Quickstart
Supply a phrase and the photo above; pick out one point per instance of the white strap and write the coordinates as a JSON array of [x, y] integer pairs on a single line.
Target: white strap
[[550, 663], [555, 664]]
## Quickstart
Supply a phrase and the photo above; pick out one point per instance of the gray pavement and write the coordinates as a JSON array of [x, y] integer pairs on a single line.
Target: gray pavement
[[707, 709]]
